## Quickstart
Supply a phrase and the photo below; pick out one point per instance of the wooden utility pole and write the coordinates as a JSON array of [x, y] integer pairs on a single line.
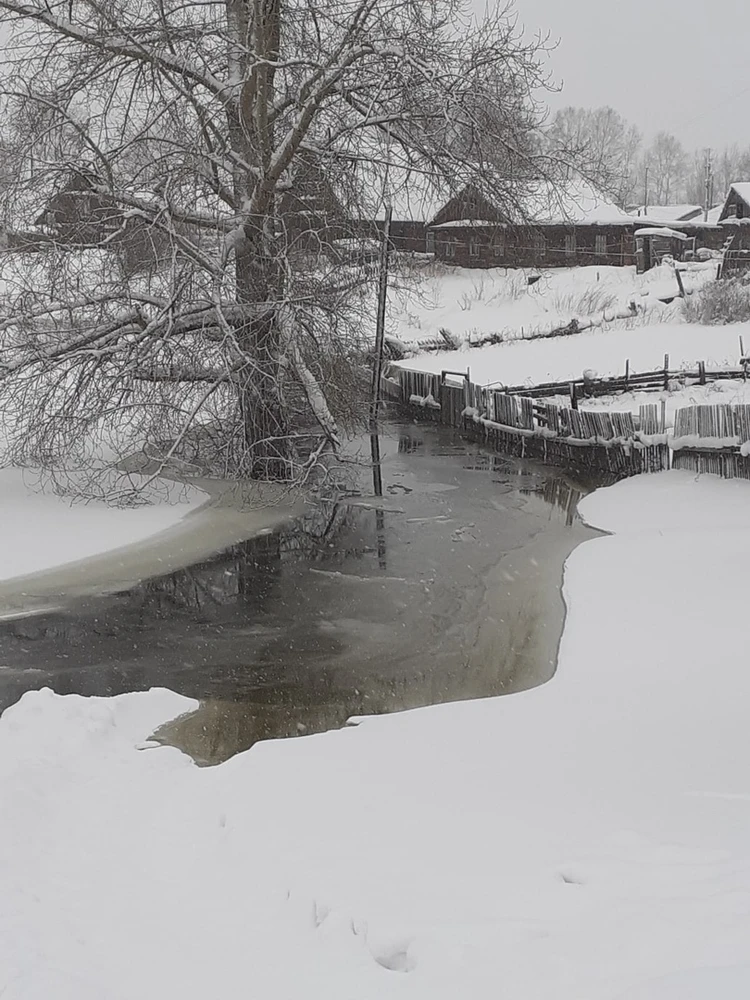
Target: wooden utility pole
[[377, 367], [645, 191], [708, 185]]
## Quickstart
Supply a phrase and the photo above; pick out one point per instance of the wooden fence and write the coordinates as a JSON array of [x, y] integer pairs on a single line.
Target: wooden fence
[[660, 378], [712, 439], [705, 438]]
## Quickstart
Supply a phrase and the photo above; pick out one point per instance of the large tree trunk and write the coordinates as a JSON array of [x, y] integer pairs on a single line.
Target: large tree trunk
[[266, 444]]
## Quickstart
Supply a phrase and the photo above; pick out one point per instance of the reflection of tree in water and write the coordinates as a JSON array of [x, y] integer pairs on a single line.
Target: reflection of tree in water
[[409, 444], [248, 573], [213, 627]]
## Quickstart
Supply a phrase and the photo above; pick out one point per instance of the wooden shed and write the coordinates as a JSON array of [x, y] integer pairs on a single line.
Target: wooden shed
[[653, 244]]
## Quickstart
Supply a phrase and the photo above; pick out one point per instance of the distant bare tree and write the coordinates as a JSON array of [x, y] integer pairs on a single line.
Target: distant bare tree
[[730, 165], [201, 158], [602, 145], [667, 165]]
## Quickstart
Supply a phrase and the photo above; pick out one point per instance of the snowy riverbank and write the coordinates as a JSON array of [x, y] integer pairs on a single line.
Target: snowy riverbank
[[40, 530], [586, 840]]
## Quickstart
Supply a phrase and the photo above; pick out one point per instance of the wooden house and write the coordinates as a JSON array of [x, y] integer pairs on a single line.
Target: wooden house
[[541, 226], [77, 214], [737, 204], [545, 225], [308, 216]]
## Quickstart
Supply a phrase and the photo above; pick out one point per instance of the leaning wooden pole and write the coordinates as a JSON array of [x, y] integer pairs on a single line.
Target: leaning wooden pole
[[377, 367]]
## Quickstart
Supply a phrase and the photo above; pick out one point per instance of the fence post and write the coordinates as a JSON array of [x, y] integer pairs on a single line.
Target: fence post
[[702, 372], [573, 396], [627, 371], [666, 372]]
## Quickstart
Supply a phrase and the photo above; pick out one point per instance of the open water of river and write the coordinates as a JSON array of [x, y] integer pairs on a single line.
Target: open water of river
[[448, 588]]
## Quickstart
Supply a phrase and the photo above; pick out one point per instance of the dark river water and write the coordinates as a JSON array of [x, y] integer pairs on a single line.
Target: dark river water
[[447, 589]]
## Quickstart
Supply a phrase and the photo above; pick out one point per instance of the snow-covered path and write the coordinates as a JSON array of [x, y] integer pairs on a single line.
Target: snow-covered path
[[587, 840]]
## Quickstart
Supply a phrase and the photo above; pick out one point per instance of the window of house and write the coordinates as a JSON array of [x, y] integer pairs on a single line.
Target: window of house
[[450, 248], [430, 241], [740, 211], [570, 244], [498, 244], [540, 244], [473, 247], [732, 212], [601, 246]]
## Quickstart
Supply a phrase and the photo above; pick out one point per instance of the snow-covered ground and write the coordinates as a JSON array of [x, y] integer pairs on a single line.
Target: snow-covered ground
[[475, 303], [40, 530], [587, 840], [602, 351]]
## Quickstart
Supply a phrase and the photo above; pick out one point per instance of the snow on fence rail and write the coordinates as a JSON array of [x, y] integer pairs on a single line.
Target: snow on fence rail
[[706, 438], [660, 378]]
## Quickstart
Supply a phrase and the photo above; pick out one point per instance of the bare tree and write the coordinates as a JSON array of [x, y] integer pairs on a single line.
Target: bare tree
[[194, 165], [732, 164], [667, 164], [602, 145]]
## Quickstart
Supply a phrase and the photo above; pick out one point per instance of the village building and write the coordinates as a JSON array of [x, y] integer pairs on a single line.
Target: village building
[[542, 226], [548, 225], [310, 215], [737, 204]]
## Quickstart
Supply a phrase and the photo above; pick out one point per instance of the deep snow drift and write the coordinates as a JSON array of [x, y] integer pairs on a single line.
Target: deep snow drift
[[587, 840]]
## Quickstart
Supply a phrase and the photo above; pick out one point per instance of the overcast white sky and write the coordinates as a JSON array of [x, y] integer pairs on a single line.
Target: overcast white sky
[[680, 65]]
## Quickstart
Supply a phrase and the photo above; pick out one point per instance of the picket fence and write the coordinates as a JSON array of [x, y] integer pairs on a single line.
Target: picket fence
[[707, 438]]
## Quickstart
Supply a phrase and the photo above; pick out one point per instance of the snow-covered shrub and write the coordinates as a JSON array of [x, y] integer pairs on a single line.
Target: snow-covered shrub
[[720, 302], [589, 301]]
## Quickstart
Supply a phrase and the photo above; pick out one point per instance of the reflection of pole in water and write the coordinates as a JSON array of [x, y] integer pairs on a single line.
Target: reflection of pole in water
[[380, 529], [377, 368], [377, 372], [377, 472], [377, 488]]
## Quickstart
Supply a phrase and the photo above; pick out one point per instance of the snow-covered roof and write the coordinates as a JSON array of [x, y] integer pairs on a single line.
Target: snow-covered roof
[[478, 223], [661, 231], [714, 214], [742, 188], [669, 213], [416, 196], [572, 202]]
